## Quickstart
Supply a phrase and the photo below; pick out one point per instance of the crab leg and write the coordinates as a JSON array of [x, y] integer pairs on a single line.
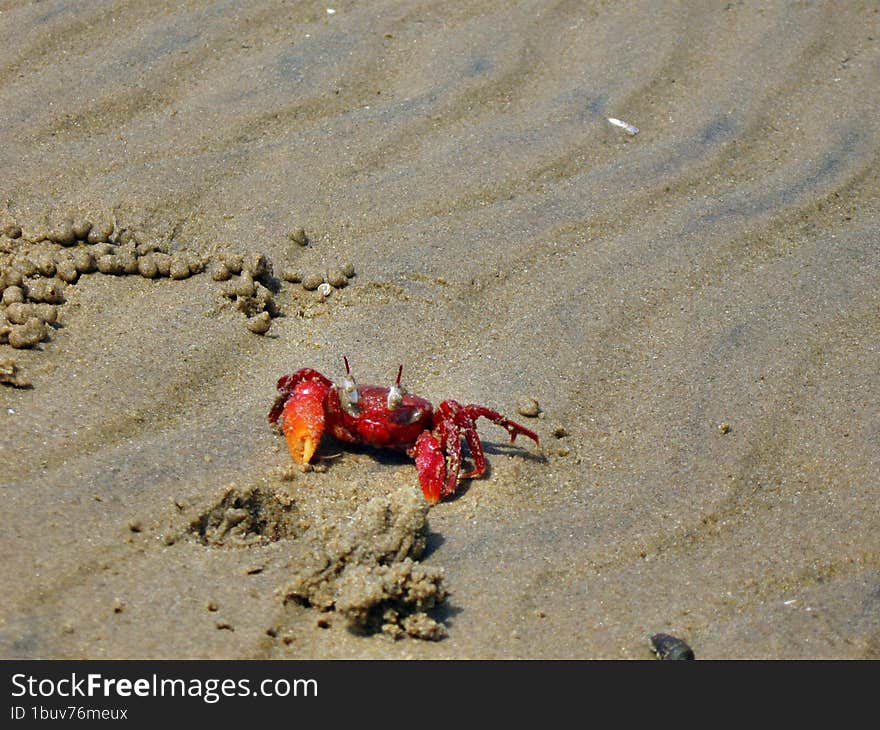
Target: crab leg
[[438, 460], [465, 418], [451, 439], [476, 448], [512, 427]]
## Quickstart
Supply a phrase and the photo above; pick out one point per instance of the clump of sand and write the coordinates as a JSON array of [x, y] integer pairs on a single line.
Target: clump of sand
[[367, 570], [246, 516]]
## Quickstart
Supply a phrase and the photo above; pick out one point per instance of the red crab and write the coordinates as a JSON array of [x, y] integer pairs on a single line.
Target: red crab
[[386, 418]]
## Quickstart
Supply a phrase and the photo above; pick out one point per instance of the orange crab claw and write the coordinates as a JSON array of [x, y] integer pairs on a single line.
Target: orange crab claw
[[302, 420]]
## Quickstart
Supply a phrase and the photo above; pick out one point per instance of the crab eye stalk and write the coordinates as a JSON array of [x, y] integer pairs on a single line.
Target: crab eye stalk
[[348, 392], [396, 392]]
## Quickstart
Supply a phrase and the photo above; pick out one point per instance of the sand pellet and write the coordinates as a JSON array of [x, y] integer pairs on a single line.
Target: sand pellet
[[260, 324], [147, 267], [256, 264], [45, 265], [13, 295], [196, 263], [312, 281], [63, 234], [127, 236], [337, 278], [12, 231], [67, 272], [179, 267], [5, 329], [50, 291], [21, 312], [298, 236], [348, 269], [100, 233], [10, 373], [294, 276], [241, 287], [163, 263], [29, 334], [128, 261], [233, 261], [83, 261], [102, 249], [25, 266], [12, 277], [528, 407], [220, 272], [81, 228], [145, 247], [109, 264]]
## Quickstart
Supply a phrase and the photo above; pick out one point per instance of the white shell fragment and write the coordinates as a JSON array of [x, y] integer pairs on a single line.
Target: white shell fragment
[[325, 289], [630, 129]]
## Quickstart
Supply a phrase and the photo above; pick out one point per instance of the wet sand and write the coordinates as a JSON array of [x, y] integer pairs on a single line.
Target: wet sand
[[696, 308]]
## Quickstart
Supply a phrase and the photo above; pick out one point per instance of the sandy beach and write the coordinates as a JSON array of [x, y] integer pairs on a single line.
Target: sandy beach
[[693, 301]]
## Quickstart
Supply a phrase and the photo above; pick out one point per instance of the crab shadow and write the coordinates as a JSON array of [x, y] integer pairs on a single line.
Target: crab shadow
[[393, 457]]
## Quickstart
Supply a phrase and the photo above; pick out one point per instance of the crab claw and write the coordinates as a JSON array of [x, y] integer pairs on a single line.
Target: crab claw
[[302, 420], [431, 465]]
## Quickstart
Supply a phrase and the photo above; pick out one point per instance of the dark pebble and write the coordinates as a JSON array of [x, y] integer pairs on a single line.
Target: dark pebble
[[671, 648]]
